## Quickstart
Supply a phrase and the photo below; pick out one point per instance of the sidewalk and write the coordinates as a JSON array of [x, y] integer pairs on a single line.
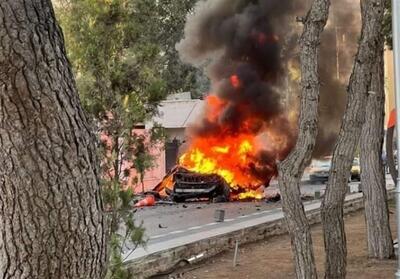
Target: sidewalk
[[165, 251], [273, 258]]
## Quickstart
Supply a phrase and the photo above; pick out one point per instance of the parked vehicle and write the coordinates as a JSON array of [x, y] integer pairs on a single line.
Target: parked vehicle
[[319, 170], [355, 170]]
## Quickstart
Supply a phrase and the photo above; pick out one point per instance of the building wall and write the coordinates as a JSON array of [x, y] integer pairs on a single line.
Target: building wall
[[389, 84], [176, 133], [157, 173]]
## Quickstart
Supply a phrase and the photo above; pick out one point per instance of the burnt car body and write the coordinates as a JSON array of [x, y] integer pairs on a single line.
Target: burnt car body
[[182, 184]]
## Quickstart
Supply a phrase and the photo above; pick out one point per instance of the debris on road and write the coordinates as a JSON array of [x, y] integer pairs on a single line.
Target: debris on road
[[149, 200], [272, 195], [165, 202], [219, 215]]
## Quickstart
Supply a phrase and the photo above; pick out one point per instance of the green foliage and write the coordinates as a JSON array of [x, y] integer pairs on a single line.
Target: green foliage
[[387, 25], [146, 28], [122, 153], [126, 235], [124, 58], [118, 70], [168, 20]]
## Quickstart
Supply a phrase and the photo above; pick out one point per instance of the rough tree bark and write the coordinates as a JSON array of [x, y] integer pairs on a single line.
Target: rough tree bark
[[292, 168], [380, 243], [51, 221], [349, 135]]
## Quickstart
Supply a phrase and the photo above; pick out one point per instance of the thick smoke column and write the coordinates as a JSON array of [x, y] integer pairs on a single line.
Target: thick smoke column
[[247, 47], [241, 43], [338, 47], [337, 50]]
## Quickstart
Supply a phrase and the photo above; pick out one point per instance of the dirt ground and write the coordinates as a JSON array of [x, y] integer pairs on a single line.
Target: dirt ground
[[272, 258]]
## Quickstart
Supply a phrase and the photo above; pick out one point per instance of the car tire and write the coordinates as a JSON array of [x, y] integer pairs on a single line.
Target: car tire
[[219, 199], [223, 194], [178, 199]]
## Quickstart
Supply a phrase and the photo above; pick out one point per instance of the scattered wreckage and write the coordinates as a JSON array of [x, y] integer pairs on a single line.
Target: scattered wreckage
[[181, 185]]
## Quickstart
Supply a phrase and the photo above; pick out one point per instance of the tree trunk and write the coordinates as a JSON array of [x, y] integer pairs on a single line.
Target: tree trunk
[[51, 220], [292, 168], [380, 243], [350, 131]]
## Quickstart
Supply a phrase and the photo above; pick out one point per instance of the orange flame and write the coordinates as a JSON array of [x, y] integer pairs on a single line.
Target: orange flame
[[229, 157], [214, 107], [251, 194], [235, 81], [243, 153], [262, 38]]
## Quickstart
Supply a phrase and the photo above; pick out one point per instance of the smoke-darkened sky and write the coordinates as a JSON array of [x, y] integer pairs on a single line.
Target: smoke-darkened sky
[[245, 39], [337, 51]]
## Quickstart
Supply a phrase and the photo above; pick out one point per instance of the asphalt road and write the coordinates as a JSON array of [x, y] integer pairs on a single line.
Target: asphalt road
[[188, 235], [170, 225], [162, 220]]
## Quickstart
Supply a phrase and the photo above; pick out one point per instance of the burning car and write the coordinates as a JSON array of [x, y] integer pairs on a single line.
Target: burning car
[[181, 184], [245, 127]]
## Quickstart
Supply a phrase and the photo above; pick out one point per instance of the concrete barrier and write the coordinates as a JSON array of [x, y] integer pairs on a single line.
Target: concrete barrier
[[167, 260]]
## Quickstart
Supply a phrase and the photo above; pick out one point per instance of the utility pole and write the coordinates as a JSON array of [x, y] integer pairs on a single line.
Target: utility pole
[[396, 55]]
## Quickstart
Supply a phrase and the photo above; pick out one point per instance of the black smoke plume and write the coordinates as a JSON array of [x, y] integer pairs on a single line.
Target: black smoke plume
[[241, 42], [245, 46], [337, 51]]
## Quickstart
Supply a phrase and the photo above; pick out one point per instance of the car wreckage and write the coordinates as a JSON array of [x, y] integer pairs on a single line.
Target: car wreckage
[[181, 184]]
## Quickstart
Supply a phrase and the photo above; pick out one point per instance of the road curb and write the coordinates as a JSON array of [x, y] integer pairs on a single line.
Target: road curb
[[165, 261]]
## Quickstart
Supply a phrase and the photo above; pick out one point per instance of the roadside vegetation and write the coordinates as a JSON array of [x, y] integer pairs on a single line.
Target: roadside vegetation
[[73, 104]]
